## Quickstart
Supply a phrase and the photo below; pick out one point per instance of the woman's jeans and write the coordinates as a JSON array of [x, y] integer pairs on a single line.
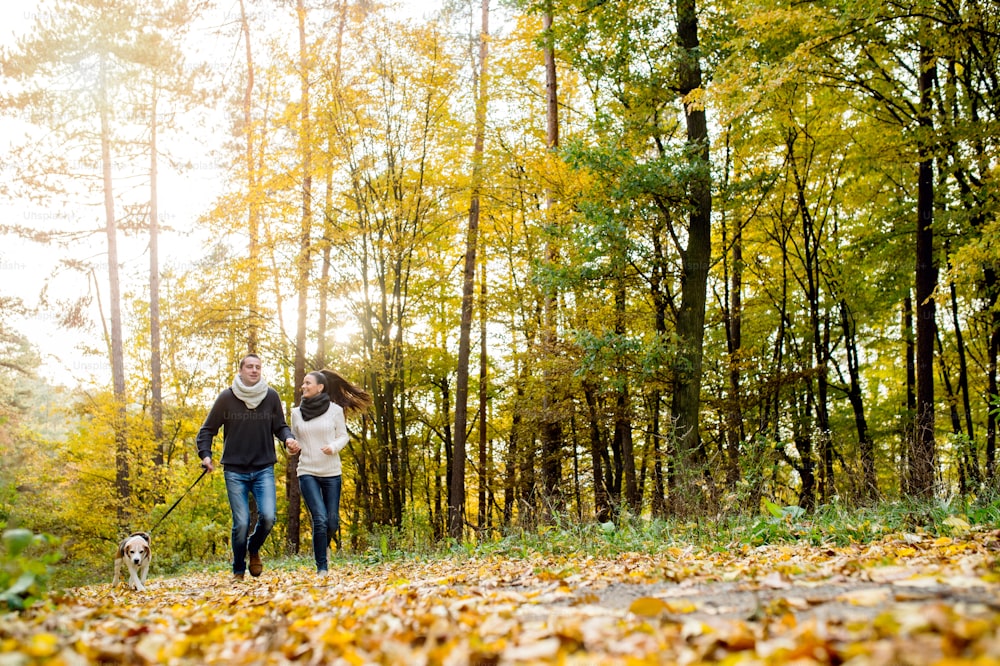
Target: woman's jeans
[[322, 496], [239, 487]]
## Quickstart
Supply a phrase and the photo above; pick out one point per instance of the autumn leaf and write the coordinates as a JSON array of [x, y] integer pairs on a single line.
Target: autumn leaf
[[957, 525], [770, 605]]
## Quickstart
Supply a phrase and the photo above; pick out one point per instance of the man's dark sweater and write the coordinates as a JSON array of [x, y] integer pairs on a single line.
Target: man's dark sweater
[[247, 434]]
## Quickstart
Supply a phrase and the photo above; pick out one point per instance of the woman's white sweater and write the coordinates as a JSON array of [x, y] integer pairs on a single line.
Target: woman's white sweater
[[327, 429]]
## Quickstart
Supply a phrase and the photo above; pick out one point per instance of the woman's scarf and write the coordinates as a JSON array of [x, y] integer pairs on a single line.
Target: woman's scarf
[[314, 406], [250, 395]]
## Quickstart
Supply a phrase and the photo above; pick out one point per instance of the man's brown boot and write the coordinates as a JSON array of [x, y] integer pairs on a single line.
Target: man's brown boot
[[255, 565]]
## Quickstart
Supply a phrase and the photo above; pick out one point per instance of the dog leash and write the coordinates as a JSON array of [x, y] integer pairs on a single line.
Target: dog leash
[[204, 471]]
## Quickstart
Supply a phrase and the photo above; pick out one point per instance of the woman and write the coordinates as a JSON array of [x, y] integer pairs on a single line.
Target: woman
[[321, 433]]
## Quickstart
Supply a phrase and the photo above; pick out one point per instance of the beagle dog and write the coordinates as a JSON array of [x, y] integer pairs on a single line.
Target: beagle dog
[[134, 551]]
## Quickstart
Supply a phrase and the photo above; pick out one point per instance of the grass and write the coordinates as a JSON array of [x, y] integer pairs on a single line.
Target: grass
[[833, 525]]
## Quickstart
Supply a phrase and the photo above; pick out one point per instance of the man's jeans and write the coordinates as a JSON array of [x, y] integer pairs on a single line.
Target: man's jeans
[[322, 496], [239, 486]]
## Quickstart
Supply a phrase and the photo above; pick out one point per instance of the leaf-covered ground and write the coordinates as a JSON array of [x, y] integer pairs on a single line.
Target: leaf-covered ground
[[907, 599]]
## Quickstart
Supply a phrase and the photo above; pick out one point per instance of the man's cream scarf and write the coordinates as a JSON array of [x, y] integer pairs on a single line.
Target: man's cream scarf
[[251, 395]]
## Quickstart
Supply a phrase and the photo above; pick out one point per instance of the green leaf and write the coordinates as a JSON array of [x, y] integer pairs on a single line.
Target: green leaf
[[773, 509], [23, 584], [17, 540]]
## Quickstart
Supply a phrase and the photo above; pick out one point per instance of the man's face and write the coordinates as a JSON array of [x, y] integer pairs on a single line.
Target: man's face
[[250, 371]]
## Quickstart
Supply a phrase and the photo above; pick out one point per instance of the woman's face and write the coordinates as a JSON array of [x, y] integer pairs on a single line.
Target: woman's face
[[310, 387]]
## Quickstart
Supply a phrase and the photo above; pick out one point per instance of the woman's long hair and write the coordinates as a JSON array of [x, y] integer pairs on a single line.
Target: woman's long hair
[[351, 397]]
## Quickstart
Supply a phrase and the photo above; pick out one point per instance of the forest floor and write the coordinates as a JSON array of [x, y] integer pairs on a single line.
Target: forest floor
[[904, 599]]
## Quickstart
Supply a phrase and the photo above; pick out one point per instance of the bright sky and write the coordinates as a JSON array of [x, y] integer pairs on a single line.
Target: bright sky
[[14, 18], [26, 266]]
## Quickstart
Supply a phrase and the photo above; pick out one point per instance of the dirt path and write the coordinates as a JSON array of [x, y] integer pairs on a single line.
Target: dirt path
[[844, 601]]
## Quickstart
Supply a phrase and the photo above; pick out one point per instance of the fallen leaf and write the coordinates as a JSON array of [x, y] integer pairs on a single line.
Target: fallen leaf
[[957, 524], [648, 607], [738, 605], [775, 581], [868, 598]]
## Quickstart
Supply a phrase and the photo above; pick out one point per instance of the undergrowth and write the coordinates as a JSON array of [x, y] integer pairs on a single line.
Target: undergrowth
[[562, 535]]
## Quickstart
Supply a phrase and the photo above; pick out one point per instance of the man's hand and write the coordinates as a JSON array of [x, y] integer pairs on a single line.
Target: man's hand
[[292, 445], [206, 462]]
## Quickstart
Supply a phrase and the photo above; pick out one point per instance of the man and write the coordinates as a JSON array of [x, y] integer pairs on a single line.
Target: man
[[250, 414]]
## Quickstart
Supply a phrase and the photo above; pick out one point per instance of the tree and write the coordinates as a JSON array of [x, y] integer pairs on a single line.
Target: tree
[[552, 435], [329, 213], [93, 47], [456, 502], [155, 367], [590, 241], [303, 264], [686, 404], [388, 119], [166, 80], [18, 363], [251, 157], [922, 455]]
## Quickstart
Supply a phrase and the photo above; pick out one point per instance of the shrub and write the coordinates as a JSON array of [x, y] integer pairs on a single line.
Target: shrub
[[25, 559]]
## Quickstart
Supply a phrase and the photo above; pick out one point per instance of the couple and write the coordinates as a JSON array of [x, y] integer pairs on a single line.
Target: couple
[[251, 416]]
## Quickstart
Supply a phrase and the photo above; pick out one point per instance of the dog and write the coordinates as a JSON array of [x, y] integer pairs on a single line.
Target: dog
[[135, 552]]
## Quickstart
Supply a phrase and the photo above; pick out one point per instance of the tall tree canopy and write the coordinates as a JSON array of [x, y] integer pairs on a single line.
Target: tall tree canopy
[[741, 252]]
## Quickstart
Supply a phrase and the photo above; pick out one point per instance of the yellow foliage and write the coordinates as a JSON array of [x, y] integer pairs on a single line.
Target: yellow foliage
[[502, 610]]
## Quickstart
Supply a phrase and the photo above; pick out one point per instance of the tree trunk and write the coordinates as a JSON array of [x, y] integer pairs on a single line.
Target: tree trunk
[[303, 264], [122, 482], [512, 456], [253, 217], [658, 502], [155, 373], [447, 445], [484, 465], [866, 445], [552, 433], [658, 273], [323, 307], [923, 455], [733, 304], [686, 405], [910, 415], [437, 510], [622, 441], [807, 471], [962, 454], [328, 209], [599, 456], [777, 363], [993, 392], [971, 450], [811, 239], [992, 290], [386, 436], [397, 434], [456, 508], [527, 486]]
